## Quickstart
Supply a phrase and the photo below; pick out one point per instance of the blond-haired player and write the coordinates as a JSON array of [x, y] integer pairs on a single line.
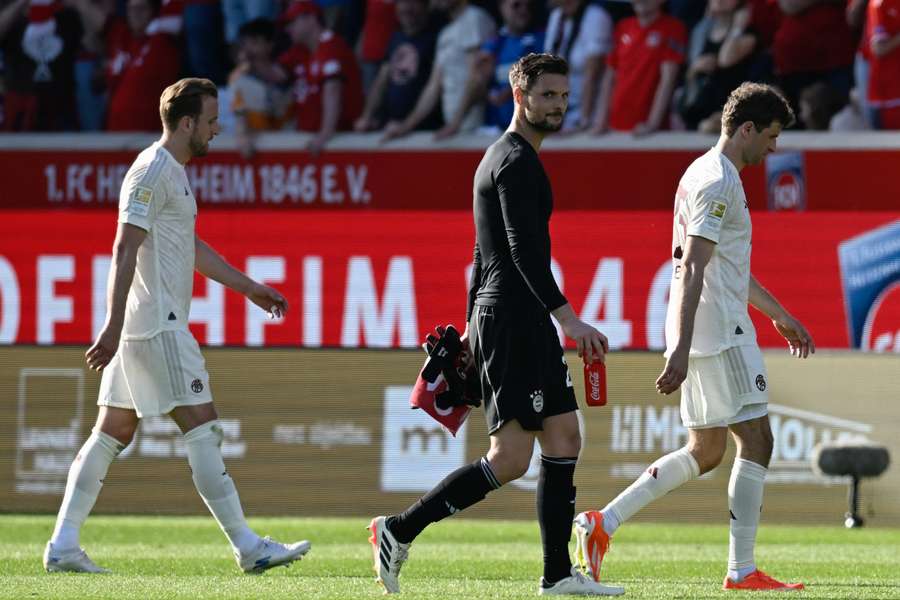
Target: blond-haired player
[[150, 361]]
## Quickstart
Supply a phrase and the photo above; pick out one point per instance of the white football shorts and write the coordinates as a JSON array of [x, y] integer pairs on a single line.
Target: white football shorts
[[725, 388], [153, 376]]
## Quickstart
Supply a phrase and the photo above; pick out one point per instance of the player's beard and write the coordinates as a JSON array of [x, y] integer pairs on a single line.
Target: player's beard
[[197, 146], [544, 125]]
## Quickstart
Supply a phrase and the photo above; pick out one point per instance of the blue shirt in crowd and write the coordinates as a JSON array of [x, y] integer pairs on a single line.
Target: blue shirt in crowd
[[506, 50]]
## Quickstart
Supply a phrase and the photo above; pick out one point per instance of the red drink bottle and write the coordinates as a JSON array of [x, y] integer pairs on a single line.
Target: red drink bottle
[[595, 383]]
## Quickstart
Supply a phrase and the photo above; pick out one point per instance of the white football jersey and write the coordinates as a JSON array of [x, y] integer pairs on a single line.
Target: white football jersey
[[156, 196], [710, 203]]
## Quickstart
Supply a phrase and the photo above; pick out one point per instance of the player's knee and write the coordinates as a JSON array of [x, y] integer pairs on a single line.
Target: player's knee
[[708, 456], [121, 432], [507, 465], [566, 444]]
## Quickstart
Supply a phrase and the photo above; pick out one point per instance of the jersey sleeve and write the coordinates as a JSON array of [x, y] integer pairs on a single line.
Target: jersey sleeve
[[474, 282], [517, 188], [707, 211], [886, 21], [332, 60], [612, 59], [143, 196], [598, 23], [675, 43]]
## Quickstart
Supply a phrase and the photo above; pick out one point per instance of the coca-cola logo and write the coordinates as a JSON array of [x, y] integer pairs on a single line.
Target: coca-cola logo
[[881, 332], [594, 380]]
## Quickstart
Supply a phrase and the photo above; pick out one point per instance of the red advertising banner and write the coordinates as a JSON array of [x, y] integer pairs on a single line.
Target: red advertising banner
[[383, 279], [372, 177]]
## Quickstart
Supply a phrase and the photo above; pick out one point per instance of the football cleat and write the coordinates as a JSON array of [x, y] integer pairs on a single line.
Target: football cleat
[[591, 542], [389, 555], [577, 584], [268, 553], [72, 561], [759, 581]]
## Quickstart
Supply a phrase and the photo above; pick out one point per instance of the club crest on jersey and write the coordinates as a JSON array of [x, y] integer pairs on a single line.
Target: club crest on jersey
[[761, 383], [537, 400], [197, 386], [717, 209]]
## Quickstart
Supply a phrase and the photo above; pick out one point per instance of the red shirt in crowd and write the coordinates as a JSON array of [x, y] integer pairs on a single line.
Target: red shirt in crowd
[[331, 59], [139, 69], [815, 40], [637, 56], [884, 77], [381, 23]]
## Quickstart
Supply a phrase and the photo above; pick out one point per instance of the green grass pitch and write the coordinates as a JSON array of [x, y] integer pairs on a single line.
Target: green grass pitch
[[187, 557]]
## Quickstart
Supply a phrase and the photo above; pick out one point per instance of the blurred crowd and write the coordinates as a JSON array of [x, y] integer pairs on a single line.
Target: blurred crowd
[[397, 66]]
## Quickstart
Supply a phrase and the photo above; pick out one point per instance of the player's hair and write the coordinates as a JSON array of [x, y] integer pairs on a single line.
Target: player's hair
[[527, 69], [758, 103], [184, 98]]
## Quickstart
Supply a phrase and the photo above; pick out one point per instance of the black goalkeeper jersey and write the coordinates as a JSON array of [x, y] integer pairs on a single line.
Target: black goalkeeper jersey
[[512, 205]]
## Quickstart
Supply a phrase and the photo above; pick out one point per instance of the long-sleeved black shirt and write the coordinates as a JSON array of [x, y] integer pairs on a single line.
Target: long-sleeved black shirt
[[512, 205]]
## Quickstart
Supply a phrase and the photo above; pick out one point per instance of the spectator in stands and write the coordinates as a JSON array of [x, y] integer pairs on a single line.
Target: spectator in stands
[[851, 117], [326, 80], [204, 39], [257, 100], [39, 41], [861, 28], [813, 43], [403, 75], [884, 74], [143, 58], [488, 82], [457, 50], [818, 104], [721, 54], [642, 69], [380, 25], [238, 12], [89, 66], [582, 34]]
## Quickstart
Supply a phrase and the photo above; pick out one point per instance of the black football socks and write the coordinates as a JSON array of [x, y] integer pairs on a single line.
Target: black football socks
[[556, 509], [458, 491]]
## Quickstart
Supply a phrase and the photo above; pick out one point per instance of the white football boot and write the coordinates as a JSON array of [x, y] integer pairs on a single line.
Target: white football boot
[[389, 555], [268, 553], [577, 584], [73, 561]]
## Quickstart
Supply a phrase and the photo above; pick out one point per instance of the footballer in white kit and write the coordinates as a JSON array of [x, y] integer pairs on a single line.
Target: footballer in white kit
[[158, 365], [711, 349], [150, 361], [726, 378]]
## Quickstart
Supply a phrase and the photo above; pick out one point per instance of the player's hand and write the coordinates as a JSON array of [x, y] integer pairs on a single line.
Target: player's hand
[[447, 131], [103, 350], [393, 130], [880, 45], [601, 128], [799, 340], [675, 372], [364, 124], [643, 129], [317, 145], [592, 345], [268, 299], [466, 356]]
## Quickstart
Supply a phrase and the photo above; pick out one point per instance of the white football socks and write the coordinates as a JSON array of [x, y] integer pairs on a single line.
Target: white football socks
[[83, 486], [745, 492], [203, 444], [663, 476]]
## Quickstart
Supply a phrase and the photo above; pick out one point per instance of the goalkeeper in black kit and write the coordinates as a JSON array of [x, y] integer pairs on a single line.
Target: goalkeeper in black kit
[[518, 361]]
